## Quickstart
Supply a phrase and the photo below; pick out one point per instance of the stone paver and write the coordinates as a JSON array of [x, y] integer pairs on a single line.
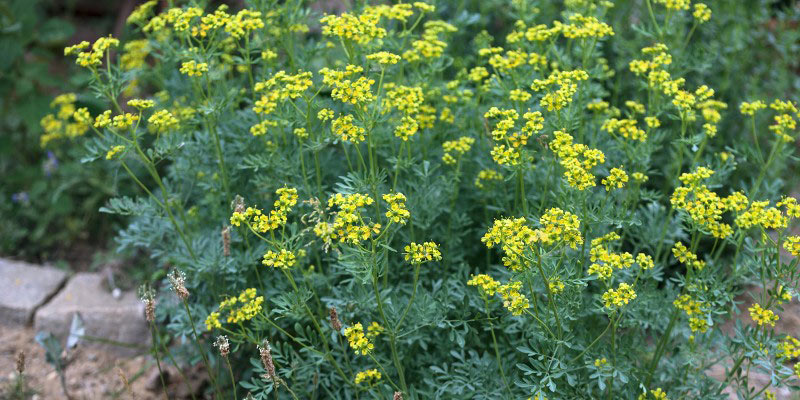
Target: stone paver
[[23, 288], [104, 317]]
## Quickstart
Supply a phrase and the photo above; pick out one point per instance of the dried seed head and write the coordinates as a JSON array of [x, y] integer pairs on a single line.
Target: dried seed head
[[21, 362], [266, 361], [178, 281], [335, 323], [397, 396], [238, 204], [148, 297], [223, 345], [226, 241]]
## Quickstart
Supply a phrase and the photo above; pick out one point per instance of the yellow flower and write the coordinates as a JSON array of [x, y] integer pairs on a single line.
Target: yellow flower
[[358, 341], [751, 108], [422, 253], [141, 104], [397, 212], [460, 146], [249, 305], [124, 121], [193, 68], [283, 259], [701, 13], [114, 151], [762, 316], [617, 298], [513, 300], [103, 120], [163, 121], [384, 58], [370, 377], [345, 128], [485, 283], [374, 330], [617, 178]]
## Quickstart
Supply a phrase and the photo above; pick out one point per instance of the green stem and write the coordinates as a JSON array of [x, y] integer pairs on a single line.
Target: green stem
[[200, 349], [496, 349], [158, 359], [410, 301]]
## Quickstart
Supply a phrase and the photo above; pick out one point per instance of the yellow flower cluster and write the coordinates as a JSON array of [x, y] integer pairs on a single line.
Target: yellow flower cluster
[[514, 301], [407, 128], [347, 225], [134, 55], [124, 121], [243, 22], [280, 87], [369, 377], [485, 282], [567, 82], [194, 68], [359, 28], [113, 151], [507, 149], [259, 222], [625, 127], [94, 57], [686, 257], [616, 179], [397, 211], [141, 104], [613, 299], [792, 245], [67, 122], [358, 341], [422, 253], [460, 146], [604, 261], [514, 236], [789, 348], [656, 394], [406, 99], [758, 214], [577, 160], [487, 175], [701, 13], [581, 27], [163, 121], [283, 259], [374, 330], [141, 13], [694, 310], [384, 58], [345, 128], [762, 316], [704, 206], [356, 92], [784, 122], [752, 107], [559, 226], [675, 5], [429, 46], [242, 308]]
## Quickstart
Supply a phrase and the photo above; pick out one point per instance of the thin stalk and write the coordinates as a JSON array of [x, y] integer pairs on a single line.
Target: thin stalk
[[233, 380], [411, 300], [393, 347], [494, 342], [200, 349], [158, 359]]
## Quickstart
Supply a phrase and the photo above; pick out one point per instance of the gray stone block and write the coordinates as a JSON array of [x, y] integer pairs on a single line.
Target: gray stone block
[[23, 288], [104, 317]]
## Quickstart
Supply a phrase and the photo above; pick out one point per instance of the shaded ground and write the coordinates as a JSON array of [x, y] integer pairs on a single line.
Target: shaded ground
[[90, 374]]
